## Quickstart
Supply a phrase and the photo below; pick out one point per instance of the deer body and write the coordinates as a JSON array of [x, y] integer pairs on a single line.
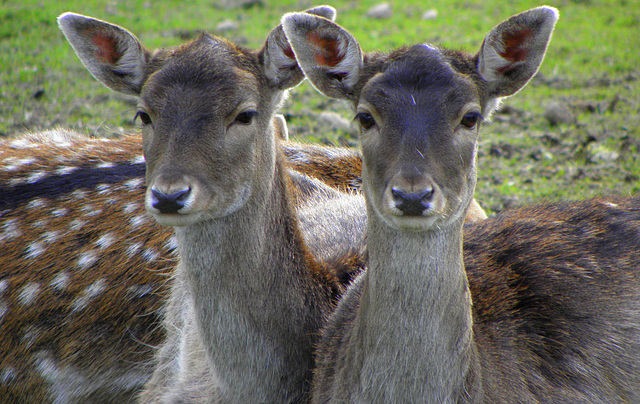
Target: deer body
[[78, 247], [543, 307], [254, 295]]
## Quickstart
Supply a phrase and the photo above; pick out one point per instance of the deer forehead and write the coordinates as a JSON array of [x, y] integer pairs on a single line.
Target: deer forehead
[[211, 76], [421, 83]]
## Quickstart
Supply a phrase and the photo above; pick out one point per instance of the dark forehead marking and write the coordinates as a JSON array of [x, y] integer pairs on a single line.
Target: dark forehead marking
[[419, 67]]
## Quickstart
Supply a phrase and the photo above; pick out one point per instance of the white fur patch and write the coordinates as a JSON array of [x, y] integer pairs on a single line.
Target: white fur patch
[[29, 293], [60, 282], [90, 292], [86, 259], [34, 250]]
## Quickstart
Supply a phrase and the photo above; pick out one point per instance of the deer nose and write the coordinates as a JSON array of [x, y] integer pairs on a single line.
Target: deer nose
[[169, 203], [412, 204]]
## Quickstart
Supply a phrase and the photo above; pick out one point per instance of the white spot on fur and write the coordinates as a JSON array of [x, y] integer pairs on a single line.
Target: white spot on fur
[[30, 335], [51, 236], [138, 291], [19, 163], [15, 181], [134, 183], [133, 249], [8, 374], [91, 211], [104, 164], [138, 160], [86, 259], [65, 170], [79, 194], [60, 281], [10, 230], [4, 285], [138, 220], [35, 177], [34, 250], [29, 293], [59, 212], [172, 243], [90, 292], [131, 207], [105, 241], [4, 308], [40, 224], [36, 204], [611, 205], [150, 254], [76, 225], [21, 144], [103, 189]]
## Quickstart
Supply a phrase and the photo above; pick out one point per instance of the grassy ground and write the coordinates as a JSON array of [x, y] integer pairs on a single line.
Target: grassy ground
[[591, 67]]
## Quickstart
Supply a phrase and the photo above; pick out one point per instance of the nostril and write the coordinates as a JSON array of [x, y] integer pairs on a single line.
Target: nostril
[[426, 195], [169, 203], [412, 204]]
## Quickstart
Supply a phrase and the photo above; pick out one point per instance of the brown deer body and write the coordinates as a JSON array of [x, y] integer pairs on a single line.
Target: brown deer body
[[247, 298], [544, 307]]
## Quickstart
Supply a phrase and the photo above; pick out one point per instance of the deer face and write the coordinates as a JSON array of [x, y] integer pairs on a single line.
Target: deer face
[[206, 116], [420, 107], [206, 109], [419, 123]]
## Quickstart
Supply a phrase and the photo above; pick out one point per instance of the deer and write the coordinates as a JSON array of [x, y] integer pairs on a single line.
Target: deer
[[79, 247], [537, 304], [86, 272], [247, 297]]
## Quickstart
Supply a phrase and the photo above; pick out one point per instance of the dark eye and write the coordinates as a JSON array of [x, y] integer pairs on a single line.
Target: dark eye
[[246, 117], [470, 120], [144, 117], [366, 120]]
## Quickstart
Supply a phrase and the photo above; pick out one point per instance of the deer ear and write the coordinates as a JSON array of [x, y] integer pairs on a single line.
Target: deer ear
[[279, 61], [329, 56], [513, 51], [113, 55]]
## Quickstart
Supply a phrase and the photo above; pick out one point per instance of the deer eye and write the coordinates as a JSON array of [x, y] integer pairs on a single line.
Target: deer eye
[[246, 117], [366, 120], [144, 117], [470, 120]]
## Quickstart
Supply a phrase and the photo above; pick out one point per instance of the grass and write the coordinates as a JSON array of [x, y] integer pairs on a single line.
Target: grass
[[591, 66]]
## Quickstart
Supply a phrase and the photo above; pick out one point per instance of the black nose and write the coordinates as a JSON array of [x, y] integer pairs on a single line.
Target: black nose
[[172, 203], [412, 204]]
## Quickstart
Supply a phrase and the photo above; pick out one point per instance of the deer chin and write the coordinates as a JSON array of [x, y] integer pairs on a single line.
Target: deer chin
[[429, 219], [179, 219]]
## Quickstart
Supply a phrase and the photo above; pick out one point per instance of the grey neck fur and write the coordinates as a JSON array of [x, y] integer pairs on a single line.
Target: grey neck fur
[[414, 318], [251, 293]]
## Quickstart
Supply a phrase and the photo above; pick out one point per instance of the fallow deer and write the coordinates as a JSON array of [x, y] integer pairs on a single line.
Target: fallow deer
[[247, 298], [548, 308], [85, 271]]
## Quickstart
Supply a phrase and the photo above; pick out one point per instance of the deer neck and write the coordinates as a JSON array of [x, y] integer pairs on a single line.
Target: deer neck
[[415, 314], [257, 307]]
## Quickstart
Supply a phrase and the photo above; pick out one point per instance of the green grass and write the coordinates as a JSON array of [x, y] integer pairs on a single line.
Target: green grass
[[592, 61]]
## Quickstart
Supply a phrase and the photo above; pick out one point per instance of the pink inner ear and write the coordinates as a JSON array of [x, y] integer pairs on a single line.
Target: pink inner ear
[[329, 54], [288, 52], [107, 49], [515, 45]]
